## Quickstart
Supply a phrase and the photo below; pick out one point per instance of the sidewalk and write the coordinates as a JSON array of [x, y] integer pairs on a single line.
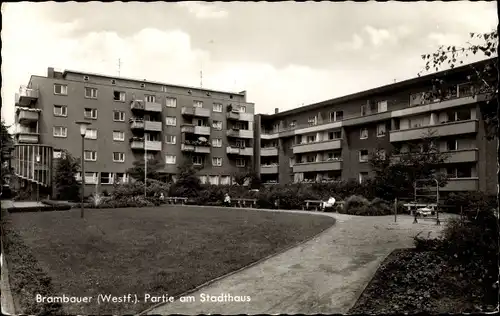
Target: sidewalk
[[325, 275]]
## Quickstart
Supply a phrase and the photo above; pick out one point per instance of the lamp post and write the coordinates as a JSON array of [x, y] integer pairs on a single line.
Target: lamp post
[[83, 130], [37, 158]]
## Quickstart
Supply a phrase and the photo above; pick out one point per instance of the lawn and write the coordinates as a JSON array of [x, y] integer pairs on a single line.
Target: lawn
[[150, 250]]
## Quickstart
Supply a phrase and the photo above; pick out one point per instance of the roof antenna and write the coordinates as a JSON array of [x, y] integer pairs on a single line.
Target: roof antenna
[[119, 66]]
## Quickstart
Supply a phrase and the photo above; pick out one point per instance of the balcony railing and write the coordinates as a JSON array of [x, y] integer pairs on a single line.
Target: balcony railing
[[197, 112], [153, 126], [150, 145], [140, 105], [240, 133], [240, 116], [318, 146], [25, 96], [318, 166], [247, 151], [27, 115], [202, 130], [136, 123], [268, 151], [447, 129], [461, 184], [28, 138], [268, 169], [463, 90]]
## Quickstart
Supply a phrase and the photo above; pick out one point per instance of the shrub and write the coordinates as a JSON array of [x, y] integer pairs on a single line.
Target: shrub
[[356, 205], [380, 207]]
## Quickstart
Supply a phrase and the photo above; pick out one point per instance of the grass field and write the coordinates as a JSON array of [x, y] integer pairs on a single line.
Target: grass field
[[151, 250]]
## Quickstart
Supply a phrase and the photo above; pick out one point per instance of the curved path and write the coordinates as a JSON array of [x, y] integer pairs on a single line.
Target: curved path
[[322, 276]]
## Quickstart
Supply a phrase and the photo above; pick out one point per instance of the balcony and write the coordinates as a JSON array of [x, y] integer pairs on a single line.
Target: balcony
[[240, 133], [140, 105], [202, 147], [187, 148], [447, 129], [196, 112], [247, 151], [187, 129], [28, 115], [461, 184], [202, 130], [318, 146], [268, 169], [267, 135], [152, 126], [268, 151], [28, 138], [466, 155], [239, 116], [26, 96], [318, 166], [151, 145], [136, 124]]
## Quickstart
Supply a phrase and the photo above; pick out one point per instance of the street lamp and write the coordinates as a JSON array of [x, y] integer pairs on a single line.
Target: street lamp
[[83, 130], [38, 158]]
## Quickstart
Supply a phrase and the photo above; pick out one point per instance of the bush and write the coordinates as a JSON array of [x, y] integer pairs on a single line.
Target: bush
[[356, 205]]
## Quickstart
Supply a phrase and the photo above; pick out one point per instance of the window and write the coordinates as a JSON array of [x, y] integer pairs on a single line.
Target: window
[[163, 88], [119, 96], [118, 136], [336, 116], [381, 130], [217, 125], [121, 177], [118, 116], [240, 162], [291, 162], [240, 143], [90, 177], [310, 158], [311, 138], [60, 131], [381, 154], [363, 110], [86, 78], [171, 102], [90, 155], [90, 113], [293, 124], [363, 155], [464, 172], [106, 178], [216, 142], [382, 106], [118, 157], [58, 154], [197, 104], [363, 176], [335, 135], [363, 133], [143, 85], [313, 120], [170, 159], [463, 115], [198, 160], [60, 110], [216, 161], [113, 81], [60, 89], [225, 180], [203, 179], [150, 98], [214, 180], [170, 139], [91, 133], [171, 120], [451, 145], [217, 107], [397, 124], [243, 109], [90, 93]]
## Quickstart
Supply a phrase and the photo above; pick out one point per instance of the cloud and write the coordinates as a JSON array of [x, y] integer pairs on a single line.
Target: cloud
[[203, 10], [377, 36], [355, 43]]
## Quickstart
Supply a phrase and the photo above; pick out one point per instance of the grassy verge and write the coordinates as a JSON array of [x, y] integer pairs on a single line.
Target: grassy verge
[[153, 250], [411, 281], [25, 274]]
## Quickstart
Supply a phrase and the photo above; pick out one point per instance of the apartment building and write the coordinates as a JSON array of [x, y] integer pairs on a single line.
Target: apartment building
[[332, 140], [131, 119]]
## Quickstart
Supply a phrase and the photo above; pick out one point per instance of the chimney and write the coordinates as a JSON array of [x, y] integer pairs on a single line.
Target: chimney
[[276, 110], [50, 72]]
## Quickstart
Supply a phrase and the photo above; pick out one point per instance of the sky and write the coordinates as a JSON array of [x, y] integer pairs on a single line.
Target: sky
[[283, 54]]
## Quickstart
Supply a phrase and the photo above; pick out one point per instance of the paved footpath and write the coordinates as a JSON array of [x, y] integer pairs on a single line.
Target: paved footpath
[[323, 276]]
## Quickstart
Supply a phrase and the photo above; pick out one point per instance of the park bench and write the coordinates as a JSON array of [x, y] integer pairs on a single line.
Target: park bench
[[245, 202], [316, 204], [175, 200]]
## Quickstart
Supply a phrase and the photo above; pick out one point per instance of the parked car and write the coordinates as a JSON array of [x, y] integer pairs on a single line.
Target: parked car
[[426, 211]]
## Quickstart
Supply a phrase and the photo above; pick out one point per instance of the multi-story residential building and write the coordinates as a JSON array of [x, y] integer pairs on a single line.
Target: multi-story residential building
[[332, 140], [130, 119]]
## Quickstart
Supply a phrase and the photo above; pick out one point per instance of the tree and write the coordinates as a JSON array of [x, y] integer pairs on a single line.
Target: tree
[[242, 176], [188, 184], [396, 171], [6, 147], [483, 77], [67, 187], [137, 171]]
